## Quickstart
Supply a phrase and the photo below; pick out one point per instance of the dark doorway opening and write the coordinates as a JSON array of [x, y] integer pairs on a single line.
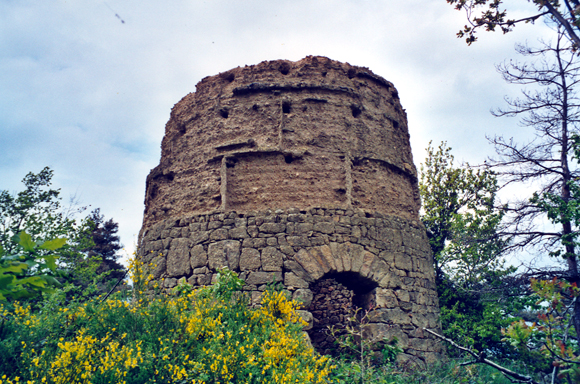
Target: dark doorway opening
[[336, 298]]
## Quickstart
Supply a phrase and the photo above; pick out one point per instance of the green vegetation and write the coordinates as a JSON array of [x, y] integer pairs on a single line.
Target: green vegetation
[[89, 255], [208, 335]]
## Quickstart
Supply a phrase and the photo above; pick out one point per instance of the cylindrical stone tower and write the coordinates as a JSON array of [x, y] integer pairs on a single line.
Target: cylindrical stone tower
[[302, 173]]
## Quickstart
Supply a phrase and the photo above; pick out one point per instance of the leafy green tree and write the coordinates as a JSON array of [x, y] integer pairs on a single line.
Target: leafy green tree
[[37, 210], [462, 222], [25, 272], [91, 250], [490, 15]]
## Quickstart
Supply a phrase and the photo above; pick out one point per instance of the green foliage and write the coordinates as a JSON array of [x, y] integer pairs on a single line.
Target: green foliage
[[461, 218], [29, 269], [88, 257], [451, 372], [462, 222], [492, 15], [360, 358], [549, 342], [207, 335]]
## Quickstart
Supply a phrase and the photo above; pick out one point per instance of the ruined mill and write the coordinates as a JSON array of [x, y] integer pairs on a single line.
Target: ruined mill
[[301, 173]]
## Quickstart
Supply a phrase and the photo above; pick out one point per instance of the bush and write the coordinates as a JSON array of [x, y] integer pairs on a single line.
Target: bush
[[207, 335]]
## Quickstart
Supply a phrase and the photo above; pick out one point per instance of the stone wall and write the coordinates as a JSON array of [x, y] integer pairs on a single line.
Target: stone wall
[[386, 258], [299, 173]]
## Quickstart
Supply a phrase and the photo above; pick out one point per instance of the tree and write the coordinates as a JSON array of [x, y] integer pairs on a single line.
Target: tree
[[106, 245], [462, 222], [488, 14], [552, 109], [92, 242], [461, 218], [37, 210]]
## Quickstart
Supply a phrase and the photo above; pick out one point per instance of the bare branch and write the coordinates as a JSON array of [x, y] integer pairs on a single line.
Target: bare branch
[[480, 358]]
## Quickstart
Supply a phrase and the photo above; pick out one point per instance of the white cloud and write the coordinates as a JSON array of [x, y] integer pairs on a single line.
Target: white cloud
[[90, 95]]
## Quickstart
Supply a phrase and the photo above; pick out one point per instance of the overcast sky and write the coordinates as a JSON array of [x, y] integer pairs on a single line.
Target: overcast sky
[[86, 87]]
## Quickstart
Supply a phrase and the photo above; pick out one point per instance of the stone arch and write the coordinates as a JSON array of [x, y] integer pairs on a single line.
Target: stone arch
[[337, 298]]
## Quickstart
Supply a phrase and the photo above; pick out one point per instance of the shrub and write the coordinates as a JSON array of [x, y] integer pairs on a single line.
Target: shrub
[[208, 335]]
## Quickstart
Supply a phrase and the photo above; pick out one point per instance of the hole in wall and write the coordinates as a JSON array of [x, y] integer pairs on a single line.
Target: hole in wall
[[231, 162], [351, 73], [224, 113], [255, 107], [288, 158], [336, 297], [395, 124], [284, 68], [356, 111], [286, 107], [228, 76]]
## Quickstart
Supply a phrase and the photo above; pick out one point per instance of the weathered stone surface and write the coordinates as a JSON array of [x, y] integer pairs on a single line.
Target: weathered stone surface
[[292, 280], [272, 228], [309, 264], [300, 171], [159, 266], [272, 259], [249, 259], [224, 253], [303, 296], [239, 233], [307, 318], [389, 315], [258, 278], [385, 298], [198, 256], [178, 258]]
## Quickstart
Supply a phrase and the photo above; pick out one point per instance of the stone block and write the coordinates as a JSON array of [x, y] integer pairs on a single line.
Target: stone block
[[298, 270], [367, 261], [272, 228], [169, 282], [256, 297], [272, 259], [224, 253], [324, 227], [199, 237], [334, 250], [198, 256], [238, 233], [175, 233], [323, 257], [203, 280], [303, 297], [214, 224], [389, 315], [403, 295], [298, 241], [258, 278], [178, 258], [159, 267], [250, 259], [302, 228], [385, 298], [309, 264], [307, 318], [219, 234], [292, 280]]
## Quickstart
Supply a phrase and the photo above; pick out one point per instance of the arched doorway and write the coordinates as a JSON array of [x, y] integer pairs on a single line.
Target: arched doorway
[[336, 298]]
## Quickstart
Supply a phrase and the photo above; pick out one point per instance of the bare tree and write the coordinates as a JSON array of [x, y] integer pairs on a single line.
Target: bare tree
[[552, 109], [491, 15]]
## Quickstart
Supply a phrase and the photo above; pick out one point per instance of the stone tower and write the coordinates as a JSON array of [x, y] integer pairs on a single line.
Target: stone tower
[[301, 173]]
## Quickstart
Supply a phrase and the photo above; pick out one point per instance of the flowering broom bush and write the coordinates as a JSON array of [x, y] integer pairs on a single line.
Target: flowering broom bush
[[208, 335]]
